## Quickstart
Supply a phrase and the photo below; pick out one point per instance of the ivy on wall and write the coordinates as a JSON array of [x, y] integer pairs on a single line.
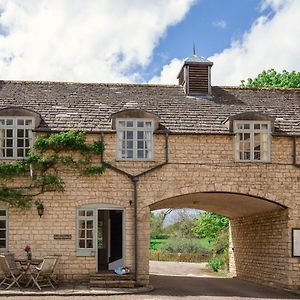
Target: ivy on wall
[[41, 168]]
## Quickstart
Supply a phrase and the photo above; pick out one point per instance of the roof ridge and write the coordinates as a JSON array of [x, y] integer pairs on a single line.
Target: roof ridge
[[256, 88], [90, 83]]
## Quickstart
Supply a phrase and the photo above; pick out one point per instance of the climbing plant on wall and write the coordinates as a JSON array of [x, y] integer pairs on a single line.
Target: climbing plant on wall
[[22, 181]]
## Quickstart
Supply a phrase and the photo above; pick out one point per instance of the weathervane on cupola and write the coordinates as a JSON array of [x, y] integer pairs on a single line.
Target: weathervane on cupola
[[195, 75]]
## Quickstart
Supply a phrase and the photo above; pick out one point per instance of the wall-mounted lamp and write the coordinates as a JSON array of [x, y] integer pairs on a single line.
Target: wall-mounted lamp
[[40, 207]]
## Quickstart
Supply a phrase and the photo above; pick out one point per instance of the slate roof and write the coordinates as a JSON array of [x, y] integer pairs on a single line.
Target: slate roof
[[88, 107]]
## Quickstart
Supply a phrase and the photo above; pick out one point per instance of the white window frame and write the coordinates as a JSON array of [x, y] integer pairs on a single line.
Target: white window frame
[[5, 218], [14, 127], [237, 124], [85, 251], [120, 130]]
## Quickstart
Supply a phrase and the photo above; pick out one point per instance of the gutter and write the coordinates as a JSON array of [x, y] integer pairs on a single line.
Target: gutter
[[134, 179]]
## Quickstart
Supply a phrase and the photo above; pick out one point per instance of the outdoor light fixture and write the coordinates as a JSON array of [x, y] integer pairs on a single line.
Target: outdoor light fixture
[[40, 208]]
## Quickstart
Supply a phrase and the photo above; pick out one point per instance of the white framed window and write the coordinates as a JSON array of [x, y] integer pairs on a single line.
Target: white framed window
[[3, 230], [134, 139], [16, 137], [86, 228], [252, 141]]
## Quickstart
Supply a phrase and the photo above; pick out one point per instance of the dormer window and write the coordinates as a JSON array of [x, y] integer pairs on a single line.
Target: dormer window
[[16, 137], [252, 141], [134, 139]]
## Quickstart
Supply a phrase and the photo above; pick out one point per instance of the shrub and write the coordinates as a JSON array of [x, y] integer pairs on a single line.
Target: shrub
[[216, 263], [184, 246]]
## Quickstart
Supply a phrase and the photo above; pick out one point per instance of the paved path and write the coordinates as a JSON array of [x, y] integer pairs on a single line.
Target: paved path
[[192, 287]]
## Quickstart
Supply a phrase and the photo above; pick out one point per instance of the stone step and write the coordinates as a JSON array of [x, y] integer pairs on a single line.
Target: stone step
[[112, 283], [110, 276]]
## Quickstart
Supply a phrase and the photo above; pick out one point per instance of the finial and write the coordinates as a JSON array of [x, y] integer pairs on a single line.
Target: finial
[[194, 48]]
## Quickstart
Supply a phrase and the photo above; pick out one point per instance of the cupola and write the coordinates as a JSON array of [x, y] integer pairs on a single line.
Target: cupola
[[195, 76]]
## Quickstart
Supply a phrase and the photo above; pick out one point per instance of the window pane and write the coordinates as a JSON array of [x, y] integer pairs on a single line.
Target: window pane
[[81, 224], [82, 234], [2, 244], [20, 133], [256, 126], [2, 122], [129, 144], [140, 135], [9, 143], [28, 122], [81, 243], [2, 234], [20, 153], [264, 126], [9, 133], [89, 234], [246, 155], [140, 153], [129, 135], [9, 122], [121, 123], [239, 126], [89, 224], [2, 212], [90, 213], [89, 243], [20, 143], [246, 126], [129, 123], [2, 224], [257, 155], [140, 124], [129, 154], [81, 212], [140, 145], [148, 124], [20, 122], [9, 153]]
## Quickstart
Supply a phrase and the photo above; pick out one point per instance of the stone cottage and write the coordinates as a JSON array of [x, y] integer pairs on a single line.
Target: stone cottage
[[230, 150]]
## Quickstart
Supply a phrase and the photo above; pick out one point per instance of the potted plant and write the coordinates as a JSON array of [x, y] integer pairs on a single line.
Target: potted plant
[[27, 249]]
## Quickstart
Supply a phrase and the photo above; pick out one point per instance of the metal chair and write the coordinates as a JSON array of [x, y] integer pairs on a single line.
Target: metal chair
[[10, 271], [42, 275]]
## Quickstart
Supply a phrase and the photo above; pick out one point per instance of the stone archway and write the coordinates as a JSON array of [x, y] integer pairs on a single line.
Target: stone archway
[[259, 249]]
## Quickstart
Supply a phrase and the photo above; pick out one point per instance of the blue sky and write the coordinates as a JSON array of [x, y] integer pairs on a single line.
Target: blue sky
[[142, 41], [211, 24]]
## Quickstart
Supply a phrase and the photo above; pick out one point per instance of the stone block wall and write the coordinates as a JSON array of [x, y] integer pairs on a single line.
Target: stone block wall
[[197, 164]]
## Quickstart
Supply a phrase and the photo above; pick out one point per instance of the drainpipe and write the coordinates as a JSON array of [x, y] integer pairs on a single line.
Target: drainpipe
[[134, 179], [295, 150]]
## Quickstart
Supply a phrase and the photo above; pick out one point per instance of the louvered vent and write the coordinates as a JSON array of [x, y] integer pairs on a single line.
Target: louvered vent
[[195, 76]]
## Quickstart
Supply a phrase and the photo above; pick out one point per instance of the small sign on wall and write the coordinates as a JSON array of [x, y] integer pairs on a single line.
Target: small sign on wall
[[296, 242], [62, 236]]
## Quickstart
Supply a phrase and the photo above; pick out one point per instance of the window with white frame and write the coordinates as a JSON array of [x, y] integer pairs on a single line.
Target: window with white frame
[[85, 231], [16, 137], [3, 229], [252, 141], [134, 139]]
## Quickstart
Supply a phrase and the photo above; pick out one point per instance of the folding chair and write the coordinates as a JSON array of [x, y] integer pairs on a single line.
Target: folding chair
[[42, 275], [10, 271]]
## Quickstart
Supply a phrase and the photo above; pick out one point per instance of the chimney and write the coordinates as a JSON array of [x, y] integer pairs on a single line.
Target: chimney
[[195, 76]]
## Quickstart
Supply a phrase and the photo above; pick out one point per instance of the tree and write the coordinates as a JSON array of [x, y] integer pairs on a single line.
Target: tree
[[271, 78], [209, 225], [156, 223]]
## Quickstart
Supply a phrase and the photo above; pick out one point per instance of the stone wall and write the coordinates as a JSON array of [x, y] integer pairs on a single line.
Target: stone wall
[[197, 164]]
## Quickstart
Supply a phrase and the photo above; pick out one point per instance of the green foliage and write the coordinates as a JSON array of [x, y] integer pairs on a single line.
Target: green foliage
[[184, 245], [271, 78], [209, 224], [221, 242], [94, 170], [155, 244], [41, 166], [216, 263]]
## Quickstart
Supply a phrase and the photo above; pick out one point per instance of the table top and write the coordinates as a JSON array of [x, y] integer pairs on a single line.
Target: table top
[[34, 261]]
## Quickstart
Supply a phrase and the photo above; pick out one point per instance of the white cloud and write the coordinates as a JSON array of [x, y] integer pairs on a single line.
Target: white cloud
[[271, 42], [169, 73], [77, 40], [220, 23]]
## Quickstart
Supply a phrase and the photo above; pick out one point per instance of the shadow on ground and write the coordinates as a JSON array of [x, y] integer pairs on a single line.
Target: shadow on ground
[[218, 287]]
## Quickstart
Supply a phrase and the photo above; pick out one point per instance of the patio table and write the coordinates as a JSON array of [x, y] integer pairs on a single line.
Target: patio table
[[26, 266]]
